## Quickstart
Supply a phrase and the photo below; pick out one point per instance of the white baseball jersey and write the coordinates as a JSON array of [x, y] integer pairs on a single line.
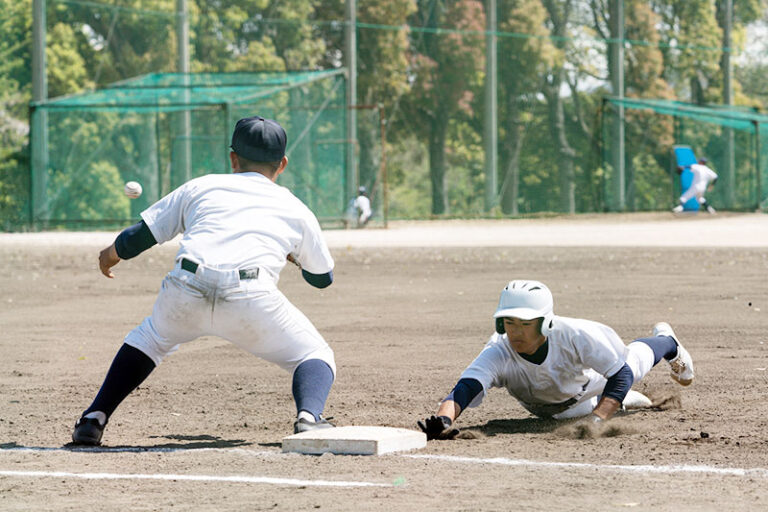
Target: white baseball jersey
[[233, 223], [363, 205], [241, 220], [582, 354]]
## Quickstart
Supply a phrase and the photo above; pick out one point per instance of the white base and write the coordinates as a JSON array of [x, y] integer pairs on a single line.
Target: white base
[[355, 441]]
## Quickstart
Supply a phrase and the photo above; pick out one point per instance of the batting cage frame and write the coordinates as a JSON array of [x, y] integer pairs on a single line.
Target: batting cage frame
[[163, 129]]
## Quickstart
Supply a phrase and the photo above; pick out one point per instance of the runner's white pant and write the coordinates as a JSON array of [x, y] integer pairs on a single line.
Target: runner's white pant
[[640, 360], [697, 192], [252, 314]]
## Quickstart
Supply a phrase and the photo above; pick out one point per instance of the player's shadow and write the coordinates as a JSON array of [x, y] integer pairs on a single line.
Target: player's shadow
[[175, 442], [517, 426]]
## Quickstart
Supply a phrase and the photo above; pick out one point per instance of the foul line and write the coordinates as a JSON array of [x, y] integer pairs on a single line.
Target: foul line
[[502, 461], [753, 472], [193, 478]]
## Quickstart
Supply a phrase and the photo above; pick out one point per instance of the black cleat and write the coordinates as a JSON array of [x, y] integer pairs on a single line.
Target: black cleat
[[303, 425], [88, 431]]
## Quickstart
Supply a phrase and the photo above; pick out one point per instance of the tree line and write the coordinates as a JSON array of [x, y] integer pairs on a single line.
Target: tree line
[[424, 62]]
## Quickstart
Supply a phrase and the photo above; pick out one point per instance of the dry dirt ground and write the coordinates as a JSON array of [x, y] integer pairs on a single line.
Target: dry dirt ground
[[410, 307]]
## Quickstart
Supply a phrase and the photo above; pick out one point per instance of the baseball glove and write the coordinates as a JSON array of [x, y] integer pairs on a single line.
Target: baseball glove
[[438, 427]]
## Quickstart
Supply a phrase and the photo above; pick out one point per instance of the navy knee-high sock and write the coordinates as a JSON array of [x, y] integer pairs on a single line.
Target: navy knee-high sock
[[662, 346], [312, 381], [129, 369]]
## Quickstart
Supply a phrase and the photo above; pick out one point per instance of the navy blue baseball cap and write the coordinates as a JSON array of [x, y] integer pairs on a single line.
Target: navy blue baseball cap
[[259, 139]]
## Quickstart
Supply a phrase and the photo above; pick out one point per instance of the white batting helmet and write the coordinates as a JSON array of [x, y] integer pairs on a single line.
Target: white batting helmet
[[525, 300]]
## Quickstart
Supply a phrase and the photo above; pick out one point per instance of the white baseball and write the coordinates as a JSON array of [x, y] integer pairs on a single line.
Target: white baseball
[[132, 189]]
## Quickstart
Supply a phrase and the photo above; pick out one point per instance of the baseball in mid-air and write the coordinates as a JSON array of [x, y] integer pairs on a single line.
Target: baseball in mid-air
[[132, 189]]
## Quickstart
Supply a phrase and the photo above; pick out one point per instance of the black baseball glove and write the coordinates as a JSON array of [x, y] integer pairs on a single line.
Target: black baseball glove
[[438, 427]]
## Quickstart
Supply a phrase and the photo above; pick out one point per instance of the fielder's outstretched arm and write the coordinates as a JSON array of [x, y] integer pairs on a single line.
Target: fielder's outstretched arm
[[129, 243], [108, 258]]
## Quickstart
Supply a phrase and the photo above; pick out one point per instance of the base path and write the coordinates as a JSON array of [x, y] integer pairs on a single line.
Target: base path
[[617, 230], [590, 230]]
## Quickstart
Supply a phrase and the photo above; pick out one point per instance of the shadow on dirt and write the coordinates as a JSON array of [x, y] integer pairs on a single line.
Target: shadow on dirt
[[565, 428], [182, 443], [511, 426]]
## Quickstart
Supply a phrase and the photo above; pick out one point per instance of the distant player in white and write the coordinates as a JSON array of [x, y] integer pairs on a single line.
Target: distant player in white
[[362, 207], [557, 367], [238, 231], [703, 178]]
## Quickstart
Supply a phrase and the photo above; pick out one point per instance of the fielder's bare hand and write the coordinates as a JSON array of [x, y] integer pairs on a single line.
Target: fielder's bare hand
[[438, 427], [108, 258]]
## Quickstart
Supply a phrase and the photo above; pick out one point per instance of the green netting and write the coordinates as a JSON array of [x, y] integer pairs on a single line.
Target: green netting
[[734, 117], [178, 91], [733, 139], [164, 129]]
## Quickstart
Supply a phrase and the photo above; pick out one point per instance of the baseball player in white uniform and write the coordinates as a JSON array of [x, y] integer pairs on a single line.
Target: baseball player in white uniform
[[703, 177], [362, 206], [557, 367], [237, 231]]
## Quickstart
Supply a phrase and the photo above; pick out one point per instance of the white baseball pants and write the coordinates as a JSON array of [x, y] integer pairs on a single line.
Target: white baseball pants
[[252, 314], [640, 360]]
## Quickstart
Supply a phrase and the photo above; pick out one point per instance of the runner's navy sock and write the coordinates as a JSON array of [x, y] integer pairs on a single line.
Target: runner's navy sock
[[312, 381], [662, 346], [129, 369]]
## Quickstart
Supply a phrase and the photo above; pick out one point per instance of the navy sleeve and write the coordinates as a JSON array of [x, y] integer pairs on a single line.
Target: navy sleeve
[[134, 240], [318, 280], [619, 383], [465, 391]]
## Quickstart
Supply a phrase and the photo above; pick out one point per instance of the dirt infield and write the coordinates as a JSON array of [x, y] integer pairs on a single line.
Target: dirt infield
[[203, 432]]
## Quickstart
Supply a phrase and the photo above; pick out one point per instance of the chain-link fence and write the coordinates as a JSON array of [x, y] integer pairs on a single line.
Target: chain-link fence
[[163, 129], [733, 140]]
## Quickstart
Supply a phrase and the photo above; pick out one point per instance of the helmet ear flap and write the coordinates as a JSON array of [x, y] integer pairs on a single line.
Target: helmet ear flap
[[500, 326], [546, 325]]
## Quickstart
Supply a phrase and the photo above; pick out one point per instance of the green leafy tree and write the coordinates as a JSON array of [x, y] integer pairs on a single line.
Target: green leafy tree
[[647, 135], [15, 91], [94, 194], [524, 60], [382, 62], [445, 73], [559, 17], [120, 41], [689, 41], [743, 13], [67, 73]]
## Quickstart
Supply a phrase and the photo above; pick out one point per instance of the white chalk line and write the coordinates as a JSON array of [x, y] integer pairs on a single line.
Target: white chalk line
[[644, 468], [194, 478]]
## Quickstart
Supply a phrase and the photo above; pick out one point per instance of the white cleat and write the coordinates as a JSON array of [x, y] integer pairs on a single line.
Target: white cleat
[[636, 400], [678, 208], [711, 210], [681, 367]]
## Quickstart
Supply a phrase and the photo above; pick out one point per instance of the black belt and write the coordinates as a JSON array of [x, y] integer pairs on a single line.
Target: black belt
[[191, 266]]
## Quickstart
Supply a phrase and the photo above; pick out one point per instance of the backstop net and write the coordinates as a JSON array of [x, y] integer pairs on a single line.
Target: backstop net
[[734, 140], [166, 128]]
